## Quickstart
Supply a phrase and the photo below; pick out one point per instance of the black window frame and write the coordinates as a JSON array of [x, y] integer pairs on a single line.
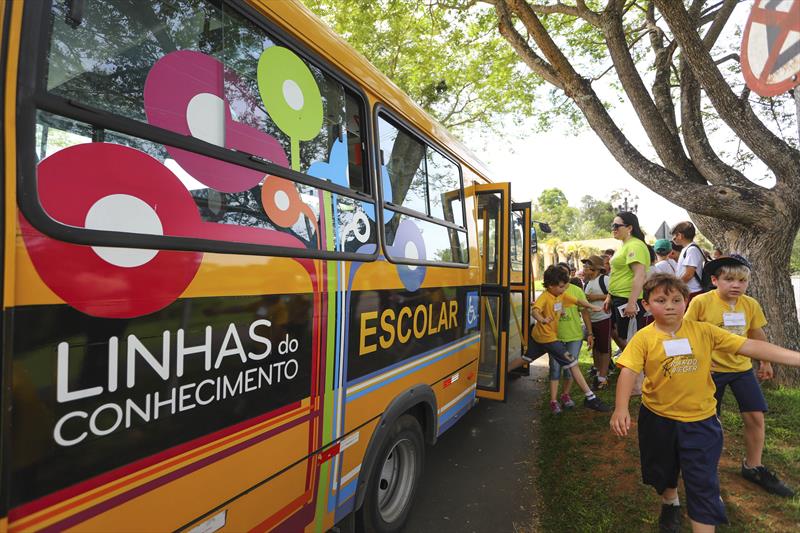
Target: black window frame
[[32, 96], [382, 111]]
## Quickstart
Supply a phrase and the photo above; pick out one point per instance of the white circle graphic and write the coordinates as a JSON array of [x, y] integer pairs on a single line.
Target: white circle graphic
[[412, 253], [126, 214], [293, 95], [282, 200], [205, 116]]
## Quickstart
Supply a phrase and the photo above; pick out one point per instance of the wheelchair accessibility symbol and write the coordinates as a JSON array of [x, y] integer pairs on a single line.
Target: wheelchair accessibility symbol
[[472, 310]]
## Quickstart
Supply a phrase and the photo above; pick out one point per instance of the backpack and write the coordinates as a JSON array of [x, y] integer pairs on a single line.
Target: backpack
[[602, 283], [704, 287]]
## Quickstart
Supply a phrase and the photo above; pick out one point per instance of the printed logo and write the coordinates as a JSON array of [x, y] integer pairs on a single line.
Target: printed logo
[[472, 310]]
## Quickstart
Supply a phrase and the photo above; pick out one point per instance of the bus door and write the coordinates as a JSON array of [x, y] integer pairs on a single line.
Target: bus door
[[493, 210], [520, 283]]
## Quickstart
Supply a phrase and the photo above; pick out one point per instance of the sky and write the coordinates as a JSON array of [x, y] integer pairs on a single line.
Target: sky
[[579, 165]]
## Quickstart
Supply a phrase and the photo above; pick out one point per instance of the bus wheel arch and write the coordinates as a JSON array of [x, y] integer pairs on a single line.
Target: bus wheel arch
[[398, 445]]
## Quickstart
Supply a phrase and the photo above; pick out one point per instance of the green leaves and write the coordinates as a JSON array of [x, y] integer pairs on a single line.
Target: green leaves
[[453, 63]]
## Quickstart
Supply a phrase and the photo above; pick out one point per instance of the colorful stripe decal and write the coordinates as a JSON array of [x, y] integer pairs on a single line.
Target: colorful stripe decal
[[404, 368]]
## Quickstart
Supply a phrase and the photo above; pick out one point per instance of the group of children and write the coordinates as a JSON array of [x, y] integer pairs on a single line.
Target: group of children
[[689, 358]]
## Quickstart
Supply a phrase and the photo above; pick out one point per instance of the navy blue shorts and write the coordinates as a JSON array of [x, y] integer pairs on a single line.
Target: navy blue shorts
[[557, 350], [668, 448], [745, 389]]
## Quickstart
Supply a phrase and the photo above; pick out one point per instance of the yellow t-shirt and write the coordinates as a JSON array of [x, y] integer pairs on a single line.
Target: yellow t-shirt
[[632, 251], [678, 387], [737, 319], [550, 306]]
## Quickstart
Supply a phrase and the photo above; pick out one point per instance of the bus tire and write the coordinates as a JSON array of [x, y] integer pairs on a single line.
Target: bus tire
[[394, 479]]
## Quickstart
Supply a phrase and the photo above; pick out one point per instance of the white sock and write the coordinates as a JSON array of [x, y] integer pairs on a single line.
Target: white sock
[[589, 395], [601, 379], [675, 501]]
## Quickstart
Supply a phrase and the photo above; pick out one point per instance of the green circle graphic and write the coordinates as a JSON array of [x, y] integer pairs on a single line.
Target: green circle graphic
[[280, 74]]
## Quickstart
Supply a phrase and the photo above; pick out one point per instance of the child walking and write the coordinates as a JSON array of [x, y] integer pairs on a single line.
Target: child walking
[[679, 432], [547, 311], [570, 332], [731, 309]]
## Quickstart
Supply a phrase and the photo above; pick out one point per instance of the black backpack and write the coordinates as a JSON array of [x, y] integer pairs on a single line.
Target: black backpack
[[707, 286]]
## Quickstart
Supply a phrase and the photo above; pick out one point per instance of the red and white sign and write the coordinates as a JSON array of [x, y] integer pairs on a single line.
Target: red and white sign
[[771, 47]]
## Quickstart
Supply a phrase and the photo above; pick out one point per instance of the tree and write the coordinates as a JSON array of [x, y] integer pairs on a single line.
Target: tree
[[596, 218], [666, 63], [552, 207], [452, 63]]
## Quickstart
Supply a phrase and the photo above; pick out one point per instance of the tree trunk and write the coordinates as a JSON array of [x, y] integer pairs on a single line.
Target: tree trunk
[[770, 281]]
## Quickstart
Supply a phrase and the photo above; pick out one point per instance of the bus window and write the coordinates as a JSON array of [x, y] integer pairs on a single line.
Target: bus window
[[404, 159], [211, 74], [517, 243], [444, 186]]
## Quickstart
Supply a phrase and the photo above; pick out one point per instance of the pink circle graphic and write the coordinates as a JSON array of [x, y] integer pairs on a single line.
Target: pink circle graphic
[[185, 93], [79, 274]]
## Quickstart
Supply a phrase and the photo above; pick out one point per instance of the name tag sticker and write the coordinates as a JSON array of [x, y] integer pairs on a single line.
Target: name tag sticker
[[621, 309], [677, 347], [557, 307], [734, 319]]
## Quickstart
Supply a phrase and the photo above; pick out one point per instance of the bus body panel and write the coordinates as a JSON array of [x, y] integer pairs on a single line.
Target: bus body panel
[[254, 396]]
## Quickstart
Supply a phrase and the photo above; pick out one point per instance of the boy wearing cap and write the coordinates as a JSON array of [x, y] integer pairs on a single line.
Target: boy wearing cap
[[664, 264], [731, 309]]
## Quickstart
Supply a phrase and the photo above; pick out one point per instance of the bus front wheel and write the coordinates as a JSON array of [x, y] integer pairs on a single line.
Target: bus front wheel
[[394, 478]]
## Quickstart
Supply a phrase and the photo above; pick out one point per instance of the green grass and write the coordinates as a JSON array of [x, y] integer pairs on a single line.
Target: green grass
[[591, 481]]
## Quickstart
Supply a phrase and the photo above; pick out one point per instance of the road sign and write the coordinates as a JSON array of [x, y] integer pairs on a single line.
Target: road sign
[[663, 231], [771, 47]]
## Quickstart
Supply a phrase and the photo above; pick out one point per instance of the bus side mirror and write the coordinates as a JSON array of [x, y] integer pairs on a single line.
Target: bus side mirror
[[534, 243], [544, 227]]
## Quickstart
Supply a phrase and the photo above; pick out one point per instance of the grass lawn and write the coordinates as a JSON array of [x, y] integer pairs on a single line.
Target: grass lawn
[[590, 479]]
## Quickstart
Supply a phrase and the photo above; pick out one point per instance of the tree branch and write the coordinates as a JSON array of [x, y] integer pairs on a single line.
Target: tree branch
[[662, 93], [721, 17], [724, 202], [520, 45], [781, 158], [703, 155], [663, 138]]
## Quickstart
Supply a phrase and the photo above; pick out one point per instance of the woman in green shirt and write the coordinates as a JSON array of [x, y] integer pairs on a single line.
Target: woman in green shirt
[[628, 271]]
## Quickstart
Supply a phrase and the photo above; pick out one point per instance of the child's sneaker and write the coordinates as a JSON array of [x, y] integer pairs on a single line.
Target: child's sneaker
[[567, 401], [596, 404], [669, 521], [555, 408], [598, 385], [767, 480]]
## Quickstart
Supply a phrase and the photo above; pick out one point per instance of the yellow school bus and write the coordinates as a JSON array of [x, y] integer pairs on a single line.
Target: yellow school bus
[[245, 279]]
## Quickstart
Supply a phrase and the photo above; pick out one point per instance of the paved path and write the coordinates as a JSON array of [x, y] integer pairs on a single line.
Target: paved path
[[479, 476]]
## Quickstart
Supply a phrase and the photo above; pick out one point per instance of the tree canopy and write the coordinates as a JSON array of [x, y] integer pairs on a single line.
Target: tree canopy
[[707, 142], [453, 63]]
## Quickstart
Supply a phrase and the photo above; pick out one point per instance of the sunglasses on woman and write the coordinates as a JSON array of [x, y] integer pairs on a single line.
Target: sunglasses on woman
[[617, 226]]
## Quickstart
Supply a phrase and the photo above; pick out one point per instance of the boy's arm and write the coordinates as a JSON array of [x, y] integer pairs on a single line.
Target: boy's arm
[[765, 351], [587, 305], [537, 314], [587, 321], [621, 418], [765, 370]]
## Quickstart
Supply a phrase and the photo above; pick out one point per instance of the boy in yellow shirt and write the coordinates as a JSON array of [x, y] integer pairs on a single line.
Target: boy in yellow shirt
[[731, 309], [679, 432], [547, 311]]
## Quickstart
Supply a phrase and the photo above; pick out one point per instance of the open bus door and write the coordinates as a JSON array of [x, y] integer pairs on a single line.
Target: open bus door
[[493, 209], [520, 284]]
